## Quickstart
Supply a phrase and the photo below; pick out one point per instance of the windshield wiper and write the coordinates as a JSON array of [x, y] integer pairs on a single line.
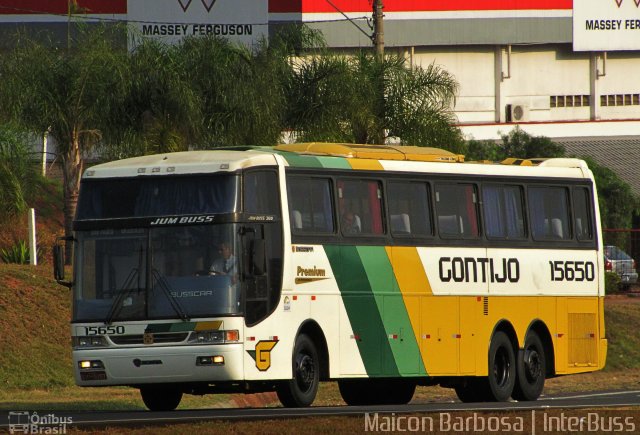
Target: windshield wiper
[[166, 289], [124, 291]]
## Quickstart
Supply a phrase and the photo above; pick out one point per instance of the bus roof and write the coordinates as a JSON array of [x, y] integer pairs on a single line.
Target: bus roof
[[334, 156]]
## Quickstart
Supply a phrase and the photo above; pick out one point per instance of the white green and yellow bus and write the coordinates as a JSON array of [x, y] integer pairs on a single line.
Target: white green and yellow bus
[[380, 267]]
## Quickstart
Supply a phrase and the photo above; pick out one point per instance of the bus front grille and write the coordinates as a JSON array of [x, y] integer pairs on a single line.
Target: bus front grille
[[158, 338]]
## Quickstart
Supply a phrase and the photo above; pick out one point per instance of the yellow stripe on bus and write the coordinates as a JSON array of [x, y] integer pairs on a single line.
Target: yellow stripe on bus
[[365, 164], [414, 285]]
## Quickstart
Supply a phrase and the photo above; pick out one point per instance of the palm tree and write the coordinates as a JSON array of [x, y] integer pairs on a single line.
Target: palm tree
[[18, 176], [68, 91], [364, 99]]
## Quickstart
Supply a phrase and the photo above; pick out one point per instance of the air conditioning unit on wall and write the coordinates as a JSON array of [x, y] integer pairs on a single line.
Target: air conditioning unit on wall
[[517, 113]]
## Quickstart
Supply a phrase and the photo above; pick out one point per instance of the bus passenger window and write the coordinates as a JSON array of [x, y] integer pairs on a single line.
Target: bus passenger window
[[310, 205], [360, 207], [548, 207], [582, 213], [503, 212], [409, 209], [456, 207]]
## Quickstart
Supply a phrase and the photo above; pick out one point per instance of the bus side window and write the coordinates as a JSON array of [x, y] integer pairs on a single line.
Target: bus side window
[[549, 211], [503, 212], [409, 209], [456, 207], [261, 192], [582, 213], [360, 207], [310, 205]]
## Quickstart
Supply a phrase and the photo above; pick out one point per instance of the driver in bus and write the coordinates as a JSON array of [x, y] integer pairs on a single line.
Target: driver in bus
[[226, 264]]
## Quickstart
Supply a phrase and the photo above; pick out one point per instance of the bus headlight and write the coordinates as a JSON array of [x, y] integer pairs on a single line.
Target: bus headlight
[[213, 337], [89, 341]]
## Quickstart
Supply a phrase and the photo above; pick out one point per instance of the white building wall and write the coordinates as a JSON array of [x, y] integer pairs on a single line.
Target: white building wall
[[552, 82]]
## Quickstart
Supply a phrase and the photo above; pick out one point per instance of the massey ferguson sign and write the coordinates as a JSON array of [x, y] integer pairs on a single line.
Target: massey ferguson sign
[[606, 25], [243, 21]]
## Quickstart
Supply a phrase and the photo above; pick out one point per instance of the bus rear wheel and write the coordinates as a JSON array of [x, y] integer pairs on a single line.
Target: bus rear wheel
[[302, 389], [161, 398], [472, 390], [502, 368], [531, 369]]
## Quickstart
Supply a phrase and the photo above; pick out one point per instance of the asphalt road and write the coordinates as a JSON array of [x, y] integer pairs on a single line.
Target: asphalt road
[[126, 418]]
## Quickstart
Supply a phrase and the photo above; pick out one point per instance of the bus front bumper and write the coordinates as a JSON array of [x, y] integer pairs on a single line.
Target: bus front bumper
[[154, 365]]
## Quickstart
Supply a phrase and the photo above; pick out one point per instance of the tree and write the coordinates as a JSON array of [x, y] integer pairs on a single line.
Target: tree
[[517, 143], [18, 176], [161, 110], [355, 98], [68, 91], [618, 204], [241, 96]]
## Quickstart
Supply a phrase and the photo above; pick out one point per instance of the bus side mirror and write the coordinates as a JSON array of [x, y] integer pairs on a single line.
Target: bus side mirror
[[58, 265]]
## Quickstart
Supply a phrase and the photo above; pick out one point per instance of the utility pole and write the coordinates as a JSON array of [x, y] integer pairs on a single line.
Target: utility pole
[[378, 28]]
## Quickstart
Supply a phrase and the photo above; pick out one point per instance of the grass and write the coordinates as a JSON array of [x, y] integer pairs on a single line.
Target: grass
[[622, 322]]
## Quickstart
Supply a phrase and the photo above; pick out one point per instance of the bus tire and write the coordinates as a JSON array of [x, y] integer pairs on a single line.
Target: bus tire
[[531, 369], [502, 368], [302, 389], [354, 393], [399, 392], [161, 398], [472, 390], [359, 392]]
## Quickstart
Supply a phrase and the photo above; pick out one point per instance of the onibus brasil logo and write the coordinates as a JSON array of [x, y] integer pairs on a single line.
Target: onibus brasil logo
[[33, 423]]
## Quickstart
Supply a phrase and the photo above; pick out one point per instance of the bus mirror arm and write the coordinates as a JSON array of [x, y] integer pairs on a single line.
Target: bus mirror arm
[[59, 261]]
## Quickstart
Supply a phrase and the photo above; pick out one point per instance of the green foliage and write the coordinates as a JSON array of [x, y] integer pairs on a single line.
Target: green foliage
[[516, 143], [362, 99], [611, 283], [17, 254], [520, 144], [617, 201], [242, 96], [18, 176]]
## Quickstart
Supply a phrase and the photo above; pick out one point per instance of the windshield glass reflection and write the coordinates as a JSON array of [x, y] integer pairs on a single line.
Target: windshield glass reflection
[[168, 272]]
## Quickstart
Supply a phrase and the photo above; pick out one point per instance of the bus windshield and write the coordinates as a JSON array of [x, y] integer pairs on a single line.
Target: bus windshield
[[167, 272], [157, 196]]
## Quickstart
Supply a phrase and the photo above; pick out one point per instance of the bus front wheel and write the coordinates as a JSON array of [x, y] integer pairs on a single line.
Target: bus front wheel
[[302, 389], [161, 398], [531, 369]]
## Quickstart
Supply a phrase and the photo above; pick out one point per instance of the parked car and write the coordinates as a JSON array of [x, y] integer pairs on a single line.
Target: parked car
[[619, 262]]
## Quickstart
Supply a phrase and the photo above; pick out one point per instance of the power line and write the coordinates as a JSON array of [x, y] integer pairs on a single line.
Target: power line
[[351, 20]]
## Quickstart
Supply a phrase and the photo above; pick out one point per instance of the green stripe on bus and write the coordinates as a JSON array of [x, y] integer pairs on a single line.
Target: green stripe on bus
[[300, 160], [395, 317], [334, 162], [362, 310]]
